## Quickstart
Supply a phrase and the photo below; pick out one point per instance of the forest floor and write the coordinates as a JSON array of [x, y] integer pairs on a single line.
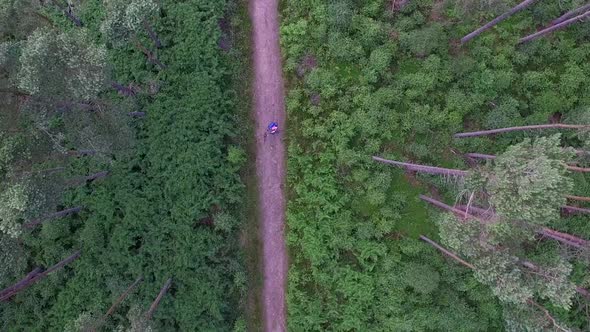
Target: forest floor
[[270, 158]]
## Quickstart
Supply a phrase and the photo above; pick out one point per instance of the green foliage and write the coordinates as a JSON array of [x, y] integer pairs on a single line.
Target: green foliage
[[424, 41], [529, 181], [173, 201], [15, 200], [395, 83], [13, 260]]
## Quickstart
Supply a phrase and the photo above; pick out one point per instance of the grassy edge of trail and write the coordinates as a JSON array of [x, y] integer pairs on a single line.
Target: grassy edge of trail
[[250, 234]]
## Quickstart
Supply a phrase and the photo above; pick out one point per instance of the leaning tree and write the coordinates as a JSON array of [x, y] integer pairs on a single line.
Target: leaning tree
[[511, 201]]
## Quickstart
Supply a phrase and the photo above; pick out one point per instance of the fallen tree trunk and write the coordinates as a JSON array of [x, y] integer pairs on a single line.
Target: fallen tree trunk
[[123, 90], [457, 212], [520, 128], [30, 279], [578, 198], [96, 176], [59, 214], [446, 252], [154, 306], [152, 34], [67, 12], [497, 20], [21, 283], [422, 168], [552, 28], [575, 210], [122, 297], [473, 213], [570, 14]]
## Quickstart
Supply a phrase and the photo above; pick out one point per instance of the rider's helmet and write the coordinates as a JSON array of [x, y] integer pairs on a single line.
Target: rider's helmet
[[273, 127]]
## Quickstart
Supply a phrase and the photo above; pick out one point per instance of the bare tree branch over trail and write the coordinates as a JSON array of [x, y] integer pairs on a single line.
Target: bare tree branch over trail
[[497, 20]]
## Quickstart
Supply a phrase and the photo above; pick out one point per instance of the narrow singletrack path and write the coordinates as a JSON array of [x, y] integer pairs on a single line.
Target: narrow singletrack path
[[269, 106]]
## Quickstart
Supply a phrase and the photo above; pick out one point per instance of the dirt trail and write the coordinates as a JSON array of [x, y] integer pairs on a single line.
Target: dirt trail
[[270, 158]]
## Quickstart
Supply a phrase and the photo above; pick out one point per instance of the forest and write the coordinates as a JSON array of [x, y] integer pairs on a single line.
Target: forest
[[437, 161], [121, 195], [381, 191]]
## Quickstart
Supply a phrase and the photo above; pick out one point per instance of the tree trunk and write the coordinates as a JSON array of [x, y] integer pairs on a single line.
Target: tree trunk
[[85, 152], [422, 168], [446, 252], [570, 14], [152, 34], [47, 171], [149, 54], [154, 306], [509, 129], [575, 210], [15, 92], [457, 212], [480, 156], [578, 198], [137, 114], [97, 176], [122, 297], [59, 214], [19, 284], [123, 90], [466, 213], [578, 169], [564, 238], [68, 14], [32, 278], [497, 20], [550, 29]]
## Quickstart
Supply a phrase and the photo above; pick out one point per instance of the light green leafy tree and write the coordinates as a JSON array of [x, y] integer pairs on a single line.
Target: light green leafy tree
[[125, 20], [529, 181], [62, 66]]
